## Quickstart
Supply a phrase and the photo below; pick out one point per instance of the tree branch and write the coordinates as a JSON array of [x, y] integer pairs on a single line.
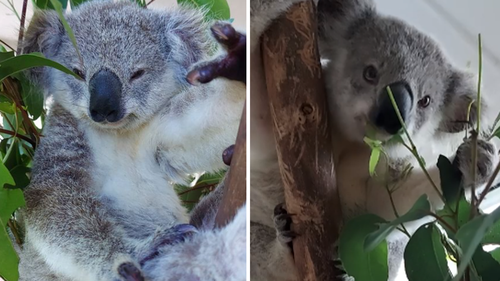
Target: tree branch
[[298, 108]]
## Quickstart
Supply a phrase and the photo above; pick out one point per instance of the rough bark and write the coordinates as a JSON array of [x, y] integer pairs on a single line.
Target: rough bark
[[235, 182], [298, 107]]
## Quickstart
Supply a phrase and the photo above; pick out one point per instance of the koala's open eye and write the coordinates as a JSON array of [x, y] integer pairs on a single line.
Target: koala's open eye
[[79, 73], [137, 74], [370, 74], [424, 102]]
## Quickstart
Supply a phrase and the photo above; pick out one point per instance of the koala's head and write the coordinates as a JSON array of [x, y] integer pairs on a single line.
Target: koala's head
[[369, 52], [133, 60]]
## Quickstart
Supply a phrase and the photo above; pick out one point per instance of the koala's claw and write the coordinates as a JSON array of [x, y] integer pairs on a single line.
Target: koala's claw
[[282, 223], [227, 155], [231, 65], [130, 272], [487, 158], [175, 234]]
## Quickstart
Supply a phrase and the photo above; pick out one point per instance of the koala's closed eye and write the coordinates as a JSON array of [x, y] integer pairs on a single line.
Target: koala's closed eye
[[137, 74], [79, 72]]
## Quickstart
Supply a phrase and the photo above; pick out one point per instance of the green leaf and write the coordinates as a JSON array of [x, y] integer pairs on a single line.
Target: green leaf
[[19, 174], [46, 4], [8, 258], [420, 209], [6, 55], [374, 157], [7, 107], [425, 257], [5, 177], [486, 266], [217, 9], [456, 215], [362, 265], [451, 180], [76, 3], [471, 235], [493, 235], [68, 29], [32, 97], [23, 62], [10, 201], [496, 254]]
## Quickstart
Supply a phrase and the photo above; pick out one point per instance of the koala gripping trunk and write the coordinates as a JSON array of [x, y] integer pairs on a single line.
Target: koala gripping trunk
[[298, 105]]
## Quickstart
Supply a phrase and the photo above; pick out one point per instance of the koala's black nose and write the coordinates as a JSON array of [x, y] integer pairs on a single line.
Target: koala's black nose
[[385, 115], [105, 97]]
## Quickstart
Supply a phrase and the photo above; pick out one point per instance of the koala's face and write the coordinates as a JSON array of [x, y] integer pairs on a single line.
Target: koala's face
[[371, 53], [133, 60]]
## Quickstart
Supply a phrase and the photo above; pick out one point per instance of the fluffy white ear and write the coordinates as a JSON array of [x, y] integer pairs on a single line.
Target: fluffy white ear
[[461, 94]]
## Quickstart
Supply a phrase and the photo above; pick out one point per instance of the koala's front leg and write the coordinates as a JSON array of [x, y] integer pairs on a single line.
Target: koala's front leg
[[231, 65], [487, 159], [271, 249], [76, 237]]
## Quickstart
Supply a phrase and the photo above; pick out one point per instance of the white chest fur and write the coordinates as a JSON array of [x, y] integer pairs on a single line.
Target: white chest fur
[[128, 175]]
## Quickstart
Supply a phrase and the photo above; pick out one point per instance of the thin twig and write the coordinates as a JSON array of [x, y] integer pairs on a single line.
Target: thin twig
[[15, 232], [151, 1], [489, 185], [443, 222], [21, 27], [196, 188], [14, 134], [7, 45]]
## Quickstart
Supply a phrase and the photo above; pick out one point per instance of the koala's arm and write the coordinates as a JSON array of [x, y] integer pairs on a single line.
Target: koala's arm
[[418, 183], [66, 223], [218, 254]]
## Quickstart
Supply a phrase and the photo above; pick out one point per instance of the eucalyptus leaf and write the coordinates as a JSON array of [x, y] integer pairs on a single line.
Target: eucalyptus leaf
[[59, 9], [451, 179], [496, 254], [10, 201], [362, 265], [22, 62], [486, 266], [76, 3], [425, 257], [46, 4], [493, 235], [6, 55], [5, 177], [374, 158], [470, 236], [8, 258], [420, 209], [216, 9]]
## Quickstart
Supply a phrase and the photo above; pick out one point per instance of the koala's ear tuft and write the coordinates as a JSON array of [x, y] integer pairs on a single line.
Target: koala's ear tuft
[[44, 35], [186, 38], [460, 95], [337, 17]]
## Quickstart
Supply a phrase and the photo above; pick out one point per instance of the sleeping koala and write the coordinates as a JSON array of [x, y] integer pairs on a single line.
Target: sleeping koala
[[101, 199], [365, 52]]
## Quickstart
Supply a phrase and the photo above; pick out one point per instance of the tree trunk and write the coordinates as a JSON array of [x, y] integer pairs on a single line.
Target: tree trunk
[[235, 182], [298, 107]]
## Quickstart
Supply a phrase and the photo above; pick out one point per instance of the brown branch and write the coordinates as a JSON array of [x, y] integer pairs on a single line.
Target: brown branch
[[196, 188], [7, 45], [235, 181], [14, 134], [21, 28], [298, 108]]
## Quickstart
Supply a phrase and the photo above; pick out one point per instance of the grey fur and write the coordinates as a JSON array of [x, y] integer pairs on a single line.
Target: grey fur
[[101, 195], [354, 35]]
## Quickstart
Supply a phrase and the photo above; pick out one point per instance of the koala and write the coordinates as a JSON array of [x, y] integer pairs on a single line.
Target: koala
[[363, 52], [101, 203]]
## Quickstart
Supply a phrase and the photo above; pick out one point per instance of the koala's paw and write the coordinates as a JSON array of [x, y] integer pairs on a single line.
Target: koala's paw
[[232, 65], [173, 235], [129, 272], [227, 155], [487, 158], [282, 223]]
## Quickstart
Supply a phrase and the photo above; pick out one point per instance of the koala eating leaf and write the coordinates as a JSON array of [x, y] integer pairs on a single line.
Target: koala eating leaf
[[101, 198], [364, 52]]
